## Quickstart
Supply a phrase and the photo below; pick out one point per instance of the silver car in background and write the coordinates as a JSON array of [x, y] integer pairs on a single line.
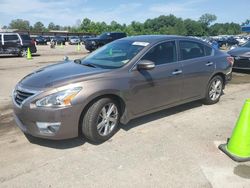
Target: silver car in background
[[74, 40]]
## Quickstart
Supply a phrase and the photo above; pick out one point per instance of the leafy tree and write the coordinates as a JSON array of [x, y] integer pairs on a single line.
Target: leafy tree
[[226, 28], [247, 22], [19, 24], [5, 27], [207, 19], [193, 28], [164, 24], [51, 26], [85, 25], [38, 27]]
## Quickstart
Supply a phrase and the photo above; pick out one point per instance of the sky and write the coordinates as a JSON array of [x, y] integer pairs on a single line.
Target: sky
[[67, 12]]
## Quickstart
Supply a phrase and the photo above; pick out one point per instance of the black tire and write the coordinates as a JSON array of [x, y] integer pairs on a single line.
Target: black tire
[[213, 94], [23, 52], [92, 118]]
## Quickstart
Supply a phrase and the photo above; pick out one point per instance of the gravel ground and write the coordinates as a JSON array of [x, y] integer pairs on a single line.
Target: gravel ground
[[171, 148]]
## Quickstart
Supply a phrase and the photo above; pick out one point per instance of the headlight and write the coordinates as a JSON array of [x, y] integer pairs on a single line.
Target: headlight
[[59, 99], [93, 42]]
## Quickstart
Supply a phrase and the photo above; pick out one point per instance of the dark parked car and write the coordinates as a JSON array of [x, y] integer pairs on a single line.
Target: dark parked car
[[84, 38], [41, 40], [120, 81], [93, 43], [58, 40], [230, 41], [241, 56], [16, 44]]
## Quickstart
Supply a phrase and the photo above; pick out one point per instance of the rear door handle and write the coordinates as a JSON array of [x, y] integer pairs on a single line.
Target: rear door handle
[[209, 63], [176, 72]]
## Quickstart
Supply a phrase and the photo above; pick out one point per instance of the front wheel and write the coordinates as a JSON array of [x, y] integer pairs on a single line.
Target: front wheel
[[214, 90], [101, 120]]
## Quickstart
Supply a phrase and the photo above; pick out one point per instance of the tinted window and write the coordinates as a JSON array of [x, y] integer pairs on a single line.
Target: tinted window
[[26, 37], [162, 53], [105, 36], [190, 49], [0, 38], [10, 37], [120, 35], [247, 44]]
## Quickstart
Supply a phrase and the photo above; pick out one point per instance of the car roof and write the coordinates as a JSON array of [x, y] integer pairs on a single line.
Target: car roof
[[155, 38]]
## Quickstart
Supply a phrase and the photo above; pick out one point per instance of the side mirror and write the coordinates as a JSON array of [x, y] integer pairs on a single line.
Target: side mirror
[[65, 58], [78, 61], [145, 65]]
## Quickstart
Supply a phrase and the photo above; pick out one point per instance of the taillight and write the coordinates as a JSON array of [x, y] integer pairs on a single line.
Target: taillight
[[230, 60]]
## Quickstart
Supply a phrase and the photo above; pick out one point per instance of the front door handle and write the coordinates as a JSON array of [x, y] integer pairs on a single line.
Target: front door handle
[[209, 63], [176, 72]]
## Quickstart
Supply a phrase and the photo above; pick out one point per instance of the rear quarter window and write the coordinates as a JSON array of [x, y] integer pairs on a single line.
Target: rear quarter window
[[10, 37], [208, 50]]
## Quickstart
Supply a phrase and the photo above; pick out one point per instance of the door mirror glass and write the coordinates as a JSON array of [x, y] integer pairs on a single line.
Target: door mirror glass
[[65, 58], [77, 61], [145, 65]]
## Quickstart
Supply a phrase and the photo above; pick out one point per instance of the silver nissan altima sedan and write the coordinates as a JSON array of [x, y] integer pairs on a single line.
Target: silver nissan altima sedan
[[122, 80]]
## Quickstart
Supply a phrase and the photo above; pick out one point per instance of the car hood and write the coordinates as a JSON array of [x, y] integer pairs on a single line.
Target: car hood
[[240, 51], [60, 74]]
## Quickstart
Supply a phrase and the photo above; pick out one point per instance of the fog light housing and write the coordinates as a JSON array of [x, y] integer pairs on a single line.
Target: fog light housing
[[48, 128]]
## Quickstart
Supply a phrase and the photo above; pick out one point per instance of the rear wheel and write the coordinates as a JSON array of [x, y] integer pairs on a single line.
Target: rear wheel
[[101, 120], [214, 90], [23, 52]]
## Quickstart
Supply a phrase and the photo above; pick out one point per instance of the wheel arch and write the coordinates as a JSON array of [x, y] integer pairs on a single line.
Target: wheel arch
[[117, 98], [222, 75]]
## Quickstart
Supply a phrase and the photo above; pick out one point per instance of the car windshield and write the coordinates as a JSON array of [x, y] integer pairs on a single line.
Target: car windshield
[[246, 45], [25, 37], [104, 35], [115, 54]]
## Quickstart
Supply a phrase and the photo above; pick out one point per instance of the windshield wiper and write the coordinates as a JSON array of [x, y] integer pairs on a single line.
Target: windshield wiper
[[89, 65], [78, 61]]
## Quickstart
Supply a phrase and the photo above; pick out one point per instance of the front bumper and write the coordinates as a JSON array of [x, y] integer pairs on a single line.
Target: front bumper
[[90, 47], [243, 64], [28, 119]]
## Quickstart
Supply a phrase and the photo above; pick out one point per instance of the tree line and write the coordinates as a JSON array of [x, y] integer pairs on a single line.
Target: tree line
[[164, 24]]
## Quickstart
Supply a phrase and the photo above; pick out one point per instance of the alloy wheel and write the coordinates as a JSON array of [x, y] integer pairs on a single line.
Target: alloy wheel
[[215, 89], [107, 119]]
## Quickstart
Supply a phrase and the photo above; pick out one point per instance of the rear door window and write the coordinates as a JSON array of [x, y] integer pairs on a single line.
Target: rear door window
[[162, 53], [191, 49], [9, 38]]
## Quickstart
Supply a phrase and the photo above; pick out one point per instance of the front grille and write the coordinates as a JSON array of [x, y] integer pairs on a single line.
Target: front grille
[[242, 63], [20, 96]]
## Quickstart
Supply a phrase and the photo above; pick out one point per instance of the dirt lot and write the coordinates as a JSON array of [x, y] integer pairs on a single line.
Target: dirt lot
[[172, 148]]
